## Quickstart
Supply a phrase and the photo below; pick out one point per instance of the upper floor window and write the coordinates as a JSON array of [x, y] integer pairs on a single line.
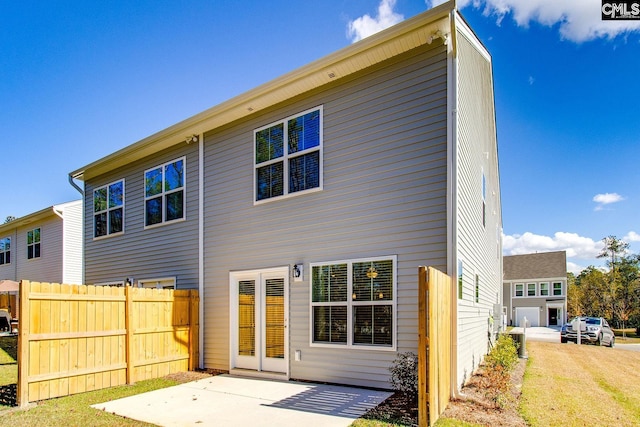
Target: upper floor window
[[557, 288], [531, 289], [33, 243], [108, 209], [477, 294], [288, 156], [164, 193], [519, 290], [544, 289], [484, 199], [5, 251], [353, 303], [460, 279]]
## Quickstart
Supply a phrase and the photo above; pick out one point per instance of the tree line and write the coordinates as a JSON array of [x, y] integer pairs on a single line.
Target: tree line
[[612, 294]]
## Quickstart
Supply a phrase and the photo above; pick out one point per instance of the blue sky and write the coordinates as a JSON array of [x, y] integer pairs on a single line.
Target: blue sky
[[80, 80]]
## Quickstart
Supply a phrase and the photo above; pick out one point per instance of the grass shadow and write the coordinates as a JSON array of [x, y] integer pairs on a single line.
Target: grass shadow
[[8, 395], [10, 346]]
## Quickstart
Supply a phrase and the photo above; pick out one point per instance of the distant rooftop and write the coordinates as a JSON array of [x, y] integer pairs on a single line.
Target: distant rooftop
[[535, 266]]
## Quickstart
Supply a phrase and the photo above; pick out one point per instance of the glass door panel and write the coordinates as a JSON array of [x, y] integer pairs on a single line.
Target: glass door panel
[[247, 318], [274, 318]]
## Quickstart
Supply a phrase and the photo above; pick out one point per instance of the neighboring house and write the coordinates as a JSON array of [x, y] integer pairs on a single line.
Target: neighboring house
[[303, 208], [535, 287], [45, 246]]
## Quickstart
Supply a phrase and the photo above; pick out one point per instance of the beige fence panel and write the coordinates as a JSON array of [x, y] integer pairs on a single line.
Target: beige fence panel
[[76, 338], [434, 344]]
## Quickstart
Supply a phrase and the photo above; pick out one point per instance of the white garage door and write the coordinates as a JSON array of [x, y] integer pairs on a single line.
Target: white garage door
[[531, 313]]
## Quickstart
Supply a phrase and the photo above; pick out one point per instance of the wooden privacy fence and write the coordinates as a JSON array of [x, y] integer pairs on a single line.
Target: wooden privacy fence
[[434, 344], [77, 338]]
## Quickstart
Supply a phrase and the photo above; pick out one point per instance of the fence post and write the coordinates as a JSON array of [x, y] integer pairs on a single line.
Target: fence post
[[423, 344], [22, 396], [128, 324], [193, 329]]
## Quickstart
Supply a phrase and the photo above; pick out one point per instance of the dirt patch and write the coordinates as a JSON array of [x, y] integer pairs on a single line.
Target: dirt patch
[[475, 407], [188, 376], [472, 407]]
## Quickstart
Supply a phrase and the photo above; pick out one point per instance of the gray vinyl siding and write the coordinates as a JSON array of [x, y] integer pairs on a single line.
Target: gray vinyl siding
[[168, 250], [385, 182], [48, 267], [534, 301], [9, 271], [72, 244], [479, 246]]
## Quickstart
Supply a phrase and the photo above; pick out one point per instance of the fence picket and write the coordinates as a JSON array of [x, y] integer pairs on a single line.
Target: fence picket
[[76, 338]]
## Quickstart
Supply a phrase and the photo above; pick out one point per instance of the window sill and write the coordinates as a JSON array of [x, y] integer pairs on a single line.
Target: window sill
[[338, 346], [162, 224]]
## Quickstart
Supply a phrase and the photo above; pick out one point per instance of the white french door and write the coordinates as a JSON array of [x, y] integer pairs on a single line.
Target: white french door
[[259, 312]]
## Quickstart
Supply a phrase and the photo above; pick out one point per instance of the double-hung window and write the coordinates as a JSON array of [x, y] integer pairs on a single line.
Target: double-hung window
[[33, 243], [5, 251], [288, 156], [353, 303], [557, 288], [164, 191], [531, 289], [544, 289], [519, 290], [108, 209]]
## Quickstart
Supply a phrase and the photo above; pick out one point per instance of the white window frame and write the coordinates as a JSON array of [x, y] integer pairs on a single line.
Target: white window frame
[[5, 251], [460, 281], [535, 289], [159, 283], [164, 193], [34, 243], [553, 289], [542, 284], [117, 283], [515, 290], [350, 304], [286, 156], [117, 233], [484, 199]]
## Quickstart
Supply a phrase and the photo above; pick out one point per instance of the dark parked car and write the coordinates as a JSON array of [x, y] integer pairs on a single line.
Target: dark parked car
[[594, 330]]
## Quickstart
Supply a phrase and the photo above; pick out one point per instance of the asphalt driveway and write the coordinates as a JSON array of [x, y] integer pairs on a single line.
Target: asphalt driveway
[[225, 400]]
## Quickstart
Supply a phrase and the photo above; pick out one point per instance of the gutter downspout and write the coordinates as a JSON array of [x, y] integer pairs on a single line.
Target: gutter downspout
[[81, 191], [76, 186], [452, 125], [201, 249]]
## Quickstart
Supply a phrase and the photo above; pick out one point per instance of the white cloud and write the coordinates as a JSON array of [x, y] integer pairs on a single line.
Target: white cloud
[[607, 198], [631, 236], [576, 246], [574, 268], [531, 80], [576, 20], [365, 25]]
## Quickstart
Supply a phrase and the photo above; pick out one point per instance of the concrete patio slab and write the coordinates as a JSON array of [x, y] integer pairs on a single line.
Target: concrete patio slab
[[225, 400]]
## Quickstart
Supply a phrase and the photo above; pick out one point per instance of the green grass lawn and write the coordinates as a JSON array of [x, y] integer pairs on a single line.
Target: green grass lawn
[[65, 411]]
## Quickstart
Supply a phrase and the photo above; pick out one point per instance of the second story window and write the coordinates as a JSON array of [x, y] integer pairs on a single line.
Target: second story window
[[164, 193], [108, 209], [5, 251], [519, 290], [531, 289], [33, 243], [557, 288], [544, 289], [288, 156]]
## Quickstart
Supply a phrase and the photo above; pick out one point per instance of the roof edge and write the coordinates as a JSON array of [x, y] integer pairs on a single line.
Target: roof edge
[[240, 106]]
